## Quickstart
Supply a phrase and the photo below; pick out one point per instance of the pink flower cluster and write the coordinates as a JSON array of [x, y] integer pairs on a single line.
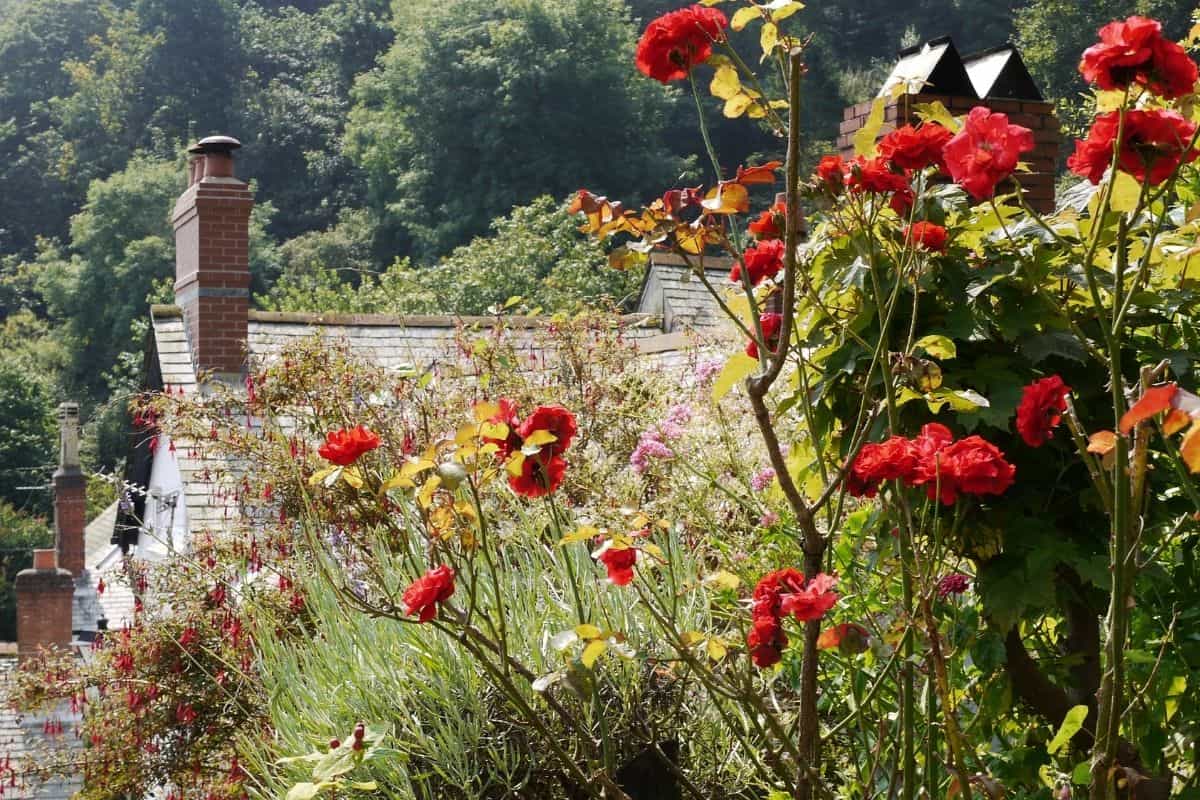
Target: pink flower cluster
[[653, 444]]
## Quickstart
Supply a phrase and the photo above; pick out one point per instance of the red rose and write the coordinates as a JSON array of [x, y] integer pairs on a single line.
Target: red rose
[[771, 322], [892, 459], [620, 564], [770, 223], [540, 475], [1135, 52], [926, 236], [678, 40], [343, 447], [915, 148], [769, 587], [985, 151], [831, 173], [1153, 145], [557, 421], [972, 466], [763, 261], [766, 641], [875, 175], [423, 596], [1042, 405], [813, 601]]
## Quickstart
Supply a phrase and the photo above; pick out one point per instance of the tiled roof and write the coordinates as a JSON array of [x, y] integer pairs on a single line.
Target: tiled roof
[[23, 739], [673, 292]]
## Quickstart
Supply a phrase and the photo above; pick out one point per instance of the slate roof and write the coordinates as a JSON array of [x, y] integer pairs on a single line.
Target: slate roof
[[671, 291], [393, 342], [23, 738]]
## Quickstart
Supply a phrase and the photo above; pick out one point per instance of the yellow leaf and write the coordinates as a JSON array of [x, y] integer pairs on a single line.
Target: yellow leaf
[[1125, 192], [936, 112], [493, 430], [742, 17], [1102, 442], [782, 9], [768, 38], [723, 580], [539, 438], [1109, 101], [716, 649], [485, 411], [397, 481], [593, 651], [737, 105], [725, 83], [727, 198], [691, 638], [937, 346], [321, 474], [465, 434], [738, 367], [583, 534], [711, 2], [410, 468], [516, 463], [353, 477], [1189, 448], [586, 631], [864, 140], [425, 496]]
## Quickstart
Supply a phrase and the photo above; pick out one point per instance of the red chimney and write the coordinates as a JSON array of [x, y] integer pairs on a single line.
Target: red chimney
[[44, 599], [212, 257], [70, 493]]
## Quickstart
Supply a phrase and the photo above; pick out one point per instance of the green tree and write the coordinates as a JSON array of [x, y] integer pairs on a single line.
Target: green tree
[[27, 436], [535, 253], [20, 533], [1052, 34], [480, 105]]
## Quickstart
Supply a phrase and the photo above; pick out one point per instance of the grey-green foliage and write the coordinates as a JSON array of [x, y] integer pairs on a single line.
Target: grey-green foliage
[[453, 734], [483, 104], [536, 253]]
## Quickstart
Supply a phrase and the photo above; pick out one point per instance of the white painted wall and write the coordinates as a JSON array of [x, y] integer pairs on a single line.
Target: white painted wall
[[164, 528]]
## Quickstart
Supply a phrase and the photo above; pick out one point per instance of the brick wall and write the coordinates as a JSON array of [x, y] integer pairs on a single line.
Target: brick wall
[[212, 262], [1035, 115], [70, 519]]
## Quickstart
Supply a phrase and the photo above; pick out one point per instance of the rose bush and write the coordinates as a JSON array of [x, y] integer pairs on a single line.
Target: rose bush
[[925, 528]]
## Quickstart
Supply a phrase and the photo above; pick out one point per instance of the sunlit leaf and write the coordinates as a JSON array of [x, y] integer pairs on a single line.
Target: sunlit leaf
[[586, 631], [303, 791], [1102, 442], [715, 648], [723, 580], [593, 651], [1189, 448], [1175, 421], [864, 139], [582, 534], [763, 173], [353, 477], [1071, 725], [936, 112], [768, 38], [1155, 400], [743, 16], [515, 464], [725, 83], [691, 638], [727, 198], [737, 368], [782, 9], [1176, 690], [539, 438], [546, 681], [485, 411], [320, 475], [938, 346], [1125, 192]]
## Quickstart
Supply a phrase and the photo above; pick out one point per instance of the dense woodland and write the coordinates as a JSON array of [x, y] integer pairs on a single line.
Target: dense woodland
[[407, 156]]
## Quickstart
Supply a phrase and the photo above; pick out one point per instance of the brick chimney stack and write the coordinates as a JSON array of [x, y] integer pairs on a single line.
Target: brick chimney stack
[[44, 597], [212, 257], [70, 493]]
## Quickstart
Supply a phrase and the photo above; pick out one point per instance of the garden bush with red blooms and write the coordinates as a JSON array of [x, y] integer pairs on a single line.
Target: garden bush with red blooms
[[919, 524]]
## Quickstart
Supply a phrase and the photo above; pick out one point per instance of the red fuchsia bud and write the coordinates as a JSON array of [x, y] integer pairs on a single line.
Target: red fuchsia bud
[[334, 744], [359, 732]]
